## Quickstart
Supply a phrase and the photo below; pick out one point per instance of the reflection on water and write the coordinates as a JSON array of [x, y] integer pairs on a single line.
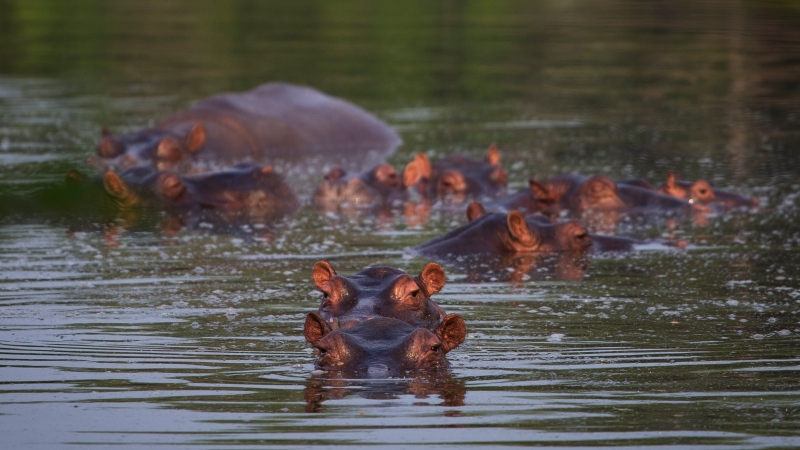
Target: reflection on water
[[156, 330]]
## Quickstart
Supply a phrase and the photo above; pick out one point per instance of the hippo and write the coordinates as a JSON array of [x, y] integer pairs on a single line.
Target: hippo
[[598, 201], [245, 187], [379, 292], [377, 186], [600, 243], [381, 193], [498, 233], [511, 247], [273, 122], [383, 347], [457, 178], [701, 192]]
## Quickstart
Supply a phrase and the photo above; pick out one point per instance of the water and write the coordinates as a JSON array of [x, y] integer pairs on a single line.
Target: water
[[154, 334]]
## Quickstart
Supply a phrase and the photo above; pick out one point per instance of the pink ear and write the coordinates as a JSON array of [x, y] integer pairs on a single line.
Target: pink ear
[[196, 138], [411, 174], [493, 155], [475, 210], [424, 165], [432, 277], [322, 273], [519, 228], [538, 190], [315, 328], [114, 185], [671, 179], [452, 332]]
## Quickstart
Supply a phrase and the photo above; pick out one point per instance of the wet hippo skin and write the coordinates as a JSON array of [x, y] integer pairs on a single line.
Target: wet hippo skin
[[273, 121], [381, 347], [379, 292]]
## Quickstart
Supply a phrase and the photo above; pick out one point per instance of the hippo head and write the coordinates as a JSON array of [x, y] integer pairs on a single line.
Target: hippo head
[[244, 187], [161, 148], [373, 186], [597, 193], [143, 186], [458, 177], [382, 347], [535, 233], [701, 192], [379, 292]]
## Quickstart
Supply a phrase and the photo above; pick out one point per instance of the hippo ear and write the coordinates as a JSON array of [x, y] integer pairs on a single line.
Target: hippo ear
[[106, 132], [411, 174], [493, 155], [432, 277], [452, 331], [114, 185], [519, 229], [315, 328], [417, 170], [322, 273], [475, 210], [538, 190], [196, 138], [671, 180]]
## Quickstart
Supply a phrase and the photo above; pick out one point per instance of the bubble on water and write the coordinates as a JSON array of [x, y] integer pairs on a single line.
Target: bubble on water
[[732, 302], [555, 337], [651, 310], [772, 320], [195, 325], [758, 336], [231, 313], [199, 270], [784, 332]]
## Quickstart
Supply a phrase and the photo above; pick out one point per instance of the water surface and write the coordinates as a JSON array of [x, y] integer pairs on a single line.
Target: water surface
[[147, 333]]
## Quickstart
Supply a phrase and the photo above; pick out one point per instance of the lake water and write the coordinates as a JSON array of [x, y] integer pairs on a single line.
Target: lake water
[[163, 336]]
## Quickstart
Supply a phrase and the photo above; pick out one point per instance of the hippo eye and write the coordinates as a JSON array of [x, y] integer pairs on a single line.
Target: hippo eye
[[416, 296], [435, 348]]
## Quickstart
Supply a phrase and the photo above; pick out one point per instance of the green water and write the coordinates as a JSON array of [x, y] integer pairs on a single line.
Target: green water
[[162, 336]]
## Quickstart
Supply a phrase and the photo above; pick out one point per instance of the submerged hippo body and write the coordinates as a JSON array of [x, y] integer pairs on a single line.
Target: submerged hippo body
[[383, 347], [272, 123], [701, 192], [245, 187], [379, 292], [499, 246], [499, 233]]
